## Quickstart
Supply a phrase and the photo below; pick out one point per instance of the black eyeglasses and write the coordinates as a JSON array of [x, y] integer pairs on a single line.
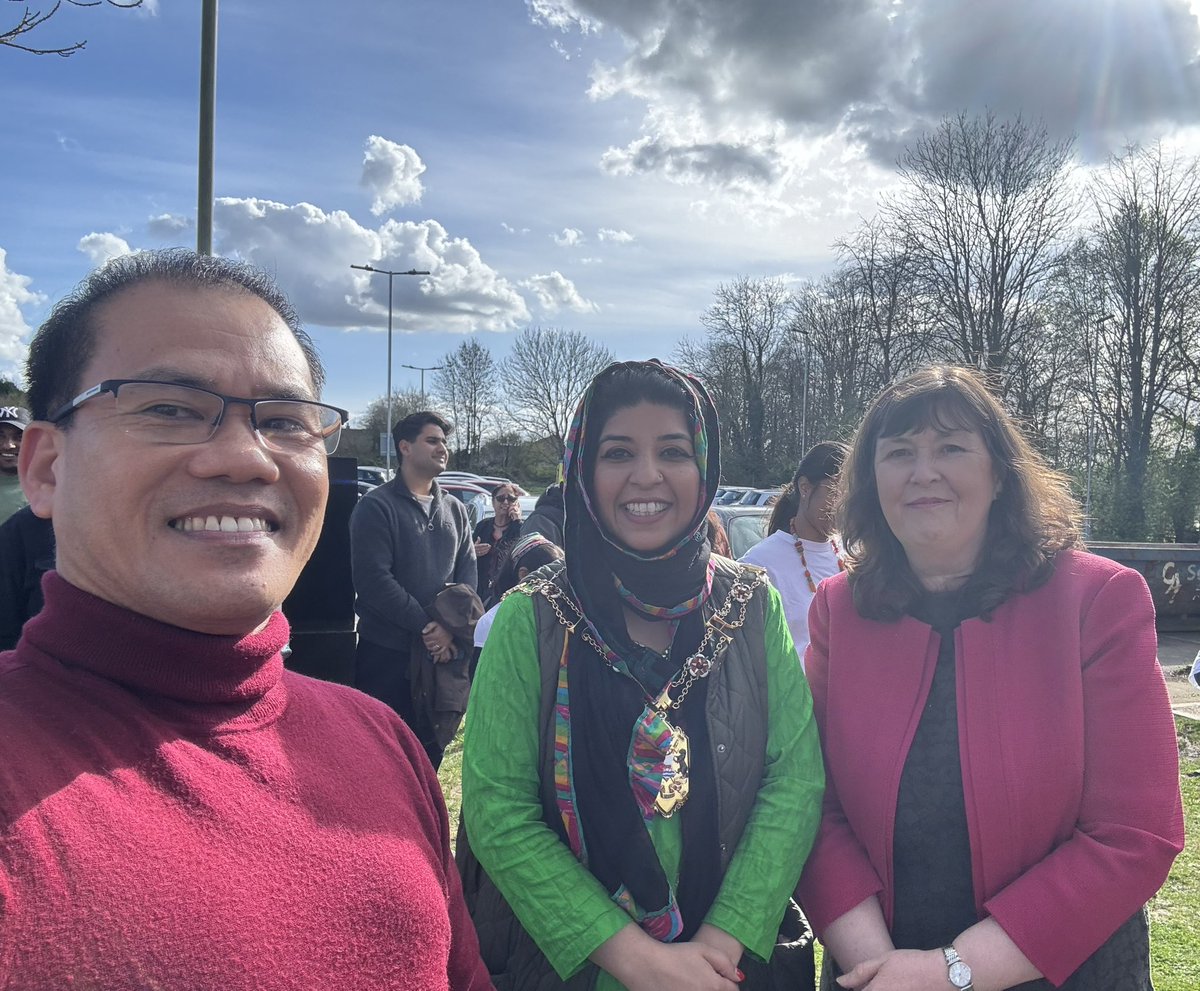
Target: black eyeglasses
[[168, 413], [504, 498]]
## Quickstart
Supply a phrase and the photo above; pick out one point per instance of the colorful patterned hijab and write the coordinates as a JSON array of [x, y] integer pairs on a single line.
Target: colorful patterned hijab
[[667, 583]]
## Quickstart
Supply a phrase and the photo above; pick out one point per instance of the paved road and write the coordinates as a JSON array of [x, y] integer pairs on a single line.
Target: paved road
[[1176, 650]]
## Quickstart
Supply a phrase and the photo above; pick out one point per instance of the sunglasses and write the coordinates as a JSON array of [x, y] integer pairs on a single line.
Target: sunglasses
[[504, 498]]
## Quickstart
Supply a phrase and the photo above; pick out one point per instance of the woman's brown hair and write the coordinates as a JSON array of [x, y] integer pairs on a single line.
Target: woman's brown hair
[[1032, 519]]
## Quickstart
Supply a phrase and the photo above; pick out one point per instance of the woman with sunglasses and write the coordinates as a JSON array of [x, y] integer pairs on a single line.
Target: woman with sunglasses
[[641, 775], [495, 535]]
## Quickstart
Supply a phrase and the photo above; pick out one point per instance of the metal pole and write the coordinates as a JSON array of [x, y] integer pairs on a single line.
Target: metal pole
[[1087, 499], [388, 445], [208, 100], [804, 404], [423, 370], [1092, 359]]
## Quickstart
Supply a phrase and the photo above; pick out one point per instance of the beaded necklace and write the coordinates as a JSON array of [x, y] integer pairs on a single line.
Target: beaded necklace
[[812, 586]]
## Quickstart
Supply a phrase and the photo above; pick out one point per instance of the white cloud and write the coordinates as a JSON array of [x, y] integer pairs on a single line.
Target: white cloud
[[311, 250], [733, 91], [617, 237], [101, 248], [513, 230], [569, 237], [392, 173], [561, 15], [556, 292], [168, 226], [14, 331]]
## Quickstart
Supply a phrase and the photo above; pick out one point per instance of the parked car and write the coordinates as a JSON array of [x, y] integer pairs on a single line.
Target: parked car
[[373, 474], [477, 500], [728, 495], [745, 526], [492, 482]]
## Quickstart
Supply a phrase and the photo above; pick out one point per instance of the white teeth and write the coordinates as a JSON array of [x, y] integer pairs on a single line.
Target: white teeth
[[645, 508], [223, 524]]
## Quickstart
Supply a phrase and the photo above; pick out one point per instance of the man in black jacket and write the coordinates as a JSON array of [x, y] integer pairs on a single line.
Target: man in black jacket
[[26, 553], [408, 541]]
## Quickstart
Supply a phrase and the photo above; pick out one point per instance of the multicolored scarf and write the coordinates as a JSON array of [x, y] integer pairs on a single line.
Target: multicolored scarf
[[610, 745]]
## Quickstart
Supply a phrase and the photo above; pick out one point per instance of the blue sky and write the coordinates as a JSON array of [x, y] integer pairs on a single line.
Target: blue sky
[[599, 165]]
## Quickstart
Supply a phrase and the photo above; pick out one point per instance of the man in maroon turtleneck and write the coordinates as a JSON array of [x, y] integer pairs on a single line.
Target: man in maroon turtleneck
[[176, 810]]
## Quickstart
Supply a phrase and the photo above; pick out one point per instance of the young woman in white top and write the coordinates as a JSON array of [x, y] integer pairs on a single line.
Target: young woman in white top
[[798, 560]]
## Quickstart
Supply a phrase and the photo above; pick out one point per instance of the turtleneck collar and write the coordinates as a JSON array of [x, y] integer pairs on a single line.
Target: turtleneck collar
[[149, 658]]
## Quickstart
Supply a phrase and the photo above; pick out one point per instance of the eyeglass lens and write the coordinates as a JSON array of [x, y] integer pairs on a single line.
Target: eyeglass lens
[[177, 414]]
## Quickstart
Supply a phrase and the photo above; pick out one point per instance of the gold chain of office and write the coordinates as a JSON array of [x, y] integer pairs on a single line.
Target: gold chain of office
[[718, 630]]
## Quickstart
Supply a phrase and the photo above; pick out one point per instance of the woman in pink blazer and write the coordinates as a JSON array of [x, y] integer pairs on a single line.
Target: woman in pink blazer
[[1003, 790]]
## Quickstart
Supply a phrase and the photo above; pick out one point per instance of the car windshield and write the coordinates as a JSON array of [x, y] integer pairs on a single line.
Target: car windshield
[[745, 530]]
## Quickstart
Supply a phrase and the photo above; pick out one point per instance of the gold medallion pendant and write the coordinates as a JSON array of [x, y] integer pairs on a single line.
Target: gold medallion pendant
[[673, 792]]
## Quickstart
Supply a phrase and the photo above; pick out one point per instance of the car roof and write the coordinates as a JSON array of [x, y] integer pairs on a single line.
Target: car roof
[[462, 485]]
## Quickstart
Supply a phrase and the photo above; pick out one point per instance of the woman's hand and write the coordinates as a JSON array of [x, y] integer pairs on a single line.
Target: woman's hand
[[719, 940], [684, 967], [642, 963], [899, 970], [481, 548]]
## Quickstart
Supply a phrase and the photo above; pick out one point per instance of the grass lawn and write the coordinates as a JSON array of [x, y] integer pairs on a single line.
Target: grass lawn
[[1174, 912], [450, 776]]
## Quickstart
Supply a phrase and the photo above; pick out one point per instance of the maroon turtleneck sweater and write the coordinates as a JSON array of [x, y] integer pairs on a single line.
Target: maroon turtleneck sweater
[[179, 812]]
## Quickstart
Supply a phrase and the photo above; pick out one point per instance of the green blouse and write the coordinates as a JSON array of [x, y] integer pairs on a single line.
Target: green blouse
[[556, 898]]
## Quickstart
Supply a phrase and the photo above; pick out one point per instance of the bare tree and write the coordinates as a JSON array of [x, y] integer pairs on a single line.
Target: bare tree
[[888, 284], [32, 19], [467, 384], [834, 317], [1147, 258], [545, 375], [406, 401], [984, 203], [747, 324]]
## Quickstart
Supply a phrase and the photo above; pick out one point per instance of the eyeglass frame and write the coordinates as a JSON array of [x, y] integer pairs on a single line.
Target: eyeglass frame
[[114, 385], [501, 498]]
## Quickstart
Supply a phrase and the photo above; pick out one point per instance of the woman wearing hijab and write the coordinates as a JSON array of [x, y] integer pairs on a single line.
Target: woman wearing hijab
[[799, 560], [641, 777]]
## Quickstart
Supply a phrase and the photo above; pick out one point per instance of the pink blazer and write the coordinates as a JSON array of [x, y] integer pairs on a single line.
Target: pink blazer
[[1070, 763]]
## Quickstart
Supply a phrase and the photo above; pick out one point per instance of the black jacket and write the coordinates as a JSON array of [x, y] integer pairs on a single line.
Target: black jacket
[[26, 553], [401, 559]]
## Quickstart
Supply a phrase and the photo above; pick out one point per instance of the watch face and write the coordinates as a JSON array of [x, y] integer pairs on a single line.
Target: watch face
[[960, 974]]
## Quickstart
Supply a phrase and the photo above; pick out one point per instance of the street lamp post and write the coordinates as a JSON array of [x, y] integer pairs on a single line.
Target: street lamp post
[[1091, 455], [423, 370], [391, 275], [208, 99]]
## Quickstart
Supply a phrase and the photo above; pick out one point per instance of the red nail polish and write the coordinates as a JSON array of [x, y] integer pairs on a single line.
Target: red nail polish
[[740, 975]]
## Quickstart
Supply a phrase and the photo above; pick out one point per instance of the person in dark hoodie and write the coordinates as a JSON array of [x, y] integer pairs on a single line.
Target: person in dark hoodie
[[408, 541], [547, 516]]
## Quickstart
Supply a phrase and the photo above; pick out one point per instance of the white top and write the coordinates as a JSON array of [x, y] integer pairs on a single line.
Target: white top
[[778, 555], [484, 625]]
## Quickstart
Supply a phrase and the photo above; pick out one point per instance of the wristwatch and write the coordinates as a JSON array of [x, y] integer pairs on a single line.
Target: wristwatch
[[957, 971]]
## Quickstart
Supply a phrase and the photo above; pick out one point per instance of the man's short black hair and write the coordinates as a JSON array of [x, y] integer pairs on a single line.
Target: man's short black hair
[[65, 343], [410, 427]]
